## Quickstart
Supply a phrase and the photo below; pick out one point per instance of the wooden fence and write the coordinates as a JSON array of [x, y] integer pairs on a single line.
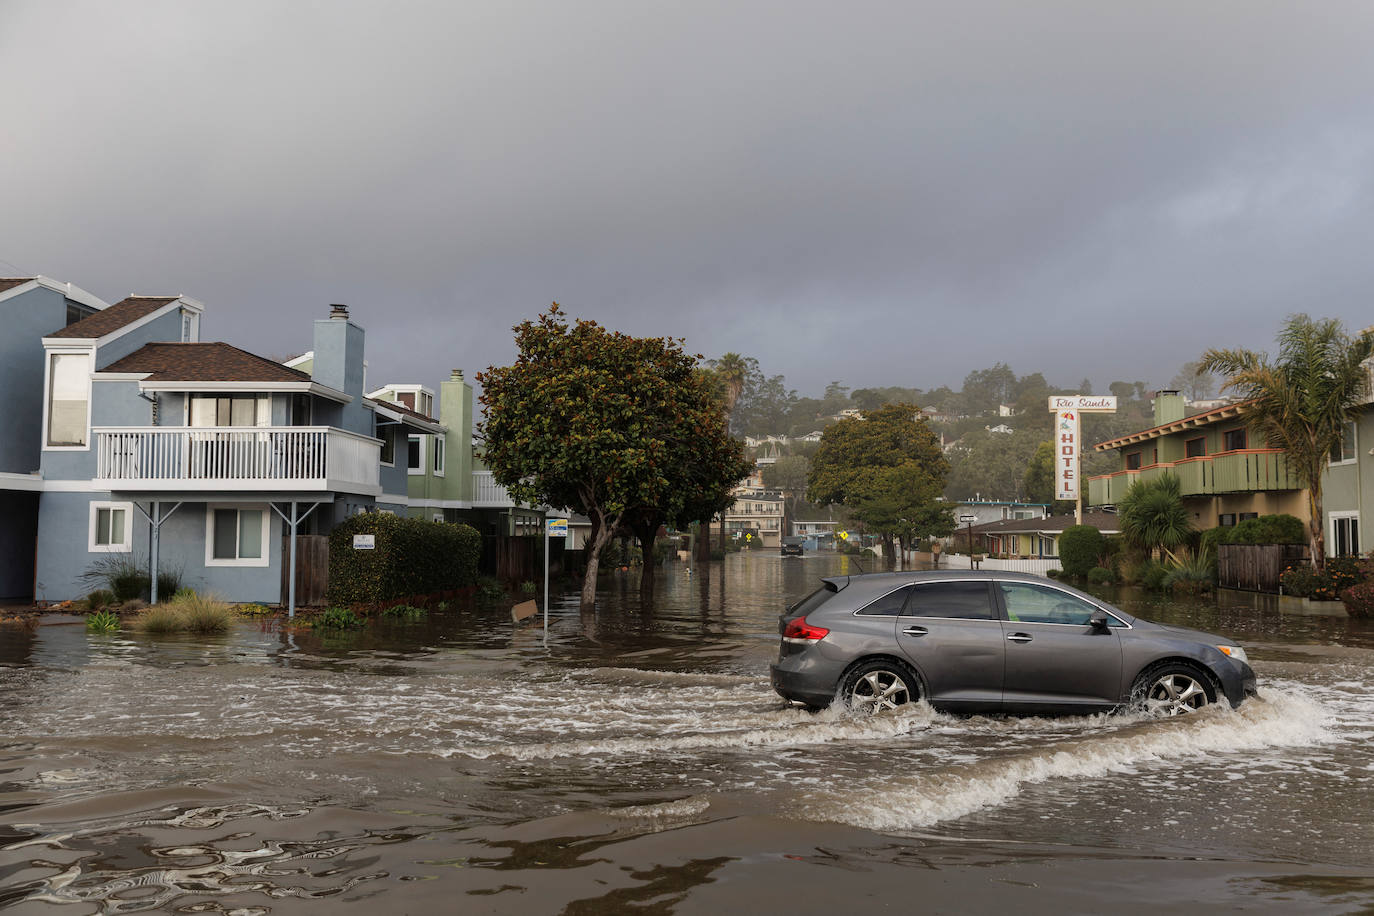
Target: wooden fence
[[1256, 567], [312, 569]]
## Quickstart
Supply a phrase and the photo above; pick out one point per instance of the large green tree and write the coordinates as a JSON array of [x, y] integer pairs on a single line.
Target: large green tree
[[1301, 401], [886, 467], [596, 421]]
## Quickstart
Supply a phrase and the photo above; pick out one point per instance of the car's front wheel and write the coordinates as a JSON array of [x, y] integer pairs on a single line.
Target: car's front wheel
[[878, 685], [1172, 690]]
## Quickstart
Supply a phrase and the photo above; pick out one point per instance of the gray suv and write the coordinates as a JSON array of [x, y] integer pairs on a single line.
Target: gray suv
[[994, 642]]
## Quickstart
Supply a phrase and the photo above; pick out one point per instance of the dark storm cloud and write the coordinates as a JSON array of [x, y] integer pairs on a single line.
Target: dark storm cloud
[[879, 193]]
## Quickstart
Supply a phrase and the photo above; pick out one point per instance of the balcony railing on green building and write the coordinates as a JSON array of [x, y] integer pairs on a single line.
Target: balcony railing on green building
[[1245, 471]]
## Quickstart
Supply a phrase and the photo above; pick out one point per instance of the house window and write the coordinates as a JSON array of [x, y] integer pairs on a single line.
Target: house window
[[425, 404], [1343, 452], [1133, 461], [236, 535], [190, 326], [302, 412], [110, 527], [438, 457], [77, 312], [231, 410], [69, 385], [1345, 534], [388, 454], [415, 460], [1233, 439], [1226, 520], [1195, 448]]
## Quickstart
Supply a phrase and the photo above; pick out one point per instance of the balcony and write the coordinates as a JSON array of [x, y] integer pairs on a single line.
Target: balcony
[[1245, 471], [488, 494], [256, 458]]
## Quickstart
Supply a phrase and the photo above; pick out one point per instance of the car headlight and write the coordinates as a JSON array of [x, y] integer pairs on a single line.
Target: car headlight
[[1235, 652]]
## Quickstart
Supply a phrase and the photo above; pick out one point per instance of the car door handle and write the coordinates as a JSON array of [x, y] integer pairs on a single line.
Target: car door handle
[[1019, 637], [915, 631]]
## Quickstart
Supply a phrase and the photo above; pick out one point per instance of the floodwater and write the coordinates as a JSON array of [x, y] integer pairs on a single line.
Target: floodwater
[[639, 762]]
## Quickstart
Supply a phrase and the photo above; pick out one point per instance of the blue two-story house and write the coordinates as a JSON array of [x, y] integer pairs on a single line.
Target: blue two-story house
[[198, 456]]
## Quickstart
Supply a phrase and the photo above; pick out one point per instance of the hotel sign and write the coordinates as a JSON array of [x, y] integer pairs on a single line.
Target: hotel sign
[[1084, 403], [1067, 431]]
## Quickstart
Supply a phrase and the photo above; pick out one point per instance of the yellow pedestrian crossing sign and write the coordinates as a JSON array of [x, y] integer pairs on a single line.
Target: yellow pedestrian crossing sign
[[842, 535]]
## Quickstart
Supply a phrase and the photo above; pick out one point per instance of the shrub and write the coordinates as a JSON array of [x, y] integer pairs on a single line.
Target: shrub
[[1303, 581], [411, 557], [1266, 529], [1359, 599], [1153, 574], [168, 584], [1054, 573], [527, 587], [489, 588], [1079, 549], [1347, 571], [405, 612], [160, 618], [99, 599], [203, 613], [102, 621], [1190, 573], [339, 618], [184, 592], [1100, 575]]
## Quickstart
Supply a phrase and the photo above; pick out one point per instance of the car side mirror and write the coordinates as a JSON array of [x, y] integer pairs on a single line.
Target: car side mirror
[[1098, 620]]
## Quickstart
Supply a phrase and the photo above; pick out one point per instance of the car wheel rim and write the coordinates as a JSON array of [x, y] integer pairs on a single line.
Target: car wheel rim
[[879, 690], [1175, 695]]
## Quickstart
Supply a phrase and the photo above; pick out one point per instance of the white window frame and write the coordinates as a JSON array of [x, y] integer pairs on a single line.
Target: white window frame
[[1354, 450], [48, 354], [424, 453], [438, 455], [1331, 519], [190, 326], [212, 560], [125, 547]]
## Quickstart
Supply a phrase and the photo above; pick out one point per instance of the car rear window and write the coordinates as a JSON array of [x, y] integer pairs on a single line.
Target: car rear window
[[966, 600], [811, 602]]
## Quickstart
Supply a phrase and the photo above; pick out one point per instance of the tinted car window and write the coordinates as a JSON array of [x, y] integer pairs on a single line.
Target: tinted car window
[[968, 600], [811, 602], [1028, 603], [889, 605]]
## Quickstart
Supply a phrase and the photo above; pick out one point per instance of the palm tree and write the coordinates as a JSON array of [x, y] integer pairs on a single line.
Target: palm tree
[[1302, 402], [733, 371], [1152, 516]]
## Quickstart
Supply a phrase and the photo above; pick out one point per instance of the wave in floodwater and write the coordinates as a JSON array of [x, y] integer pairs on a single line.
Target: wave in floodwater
[[1279, 719]]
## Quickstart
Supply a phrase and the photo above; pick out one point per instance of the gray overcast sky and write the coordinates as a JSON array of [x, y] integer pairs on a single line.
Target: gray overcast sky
[[882, 193]]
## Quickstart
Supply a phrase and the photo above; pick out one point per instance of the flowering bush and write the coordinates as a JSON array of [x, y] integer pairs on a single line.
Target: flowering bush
[[1359, 599], [1303, 581]]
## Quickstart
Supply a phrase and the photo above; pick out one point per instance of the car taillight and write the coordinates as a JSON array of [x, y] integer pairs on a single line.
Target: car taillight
[[798, 628]]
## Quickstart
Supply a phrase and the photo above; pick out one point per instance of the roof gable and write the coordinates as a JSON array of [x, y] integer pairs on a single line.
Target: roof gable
[[111, 319], [202, 362]]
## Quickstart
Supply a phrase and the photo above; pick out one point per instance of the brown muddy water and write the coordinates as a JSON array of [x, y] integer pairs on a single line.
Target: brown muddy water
[[640, 763]]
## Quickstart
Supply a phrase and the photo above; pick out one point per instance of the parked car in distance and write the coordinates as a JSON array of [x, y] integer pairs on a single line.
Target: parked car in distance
[[792, 546], [991, 641]]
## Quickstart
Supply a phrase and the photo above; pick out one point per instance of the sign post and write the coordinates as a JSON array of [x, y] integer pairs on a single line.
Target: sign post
[[1067, 451], [553, 527], [969, 520]]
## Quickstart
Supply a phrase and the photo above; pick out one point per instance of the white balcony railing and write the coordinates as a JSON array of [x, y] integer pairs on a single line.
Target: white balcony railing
[[487, 493], [237, 458]]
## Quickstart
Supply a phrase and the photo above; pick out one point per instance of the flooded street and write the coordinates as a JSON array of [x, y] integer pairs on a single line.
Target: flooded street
[[640, 761]]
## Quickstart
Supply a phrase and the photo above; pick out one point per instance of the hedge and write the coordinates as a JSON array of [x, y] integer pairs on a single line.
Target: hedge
[[411, 557], [1266, 529], [1080, 546]]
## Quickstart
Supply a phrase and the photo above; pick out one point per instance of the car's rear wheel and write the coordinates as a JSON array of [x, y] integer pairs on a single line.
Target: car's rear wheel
[[877, 685], [1172, 690]]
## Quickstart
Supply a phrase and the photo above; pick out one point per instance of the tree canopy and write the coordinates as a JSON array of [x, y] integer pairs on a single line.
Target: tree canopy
[[605, 424], [886, 467]]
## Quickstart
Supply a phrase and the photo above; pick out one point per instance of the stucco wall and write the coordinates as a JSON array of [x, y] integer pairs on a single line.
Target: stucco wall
[[25, 319]]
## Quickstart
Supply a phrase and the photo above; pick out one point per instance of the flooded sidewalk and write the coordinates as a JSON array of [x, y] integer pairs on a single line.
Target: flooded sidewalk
[[638, 759]]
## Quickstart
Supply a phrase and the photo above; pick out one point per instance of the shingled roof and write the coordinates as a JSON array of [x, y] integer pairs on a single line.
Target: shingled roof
[[113, 318], [202, 362], [12, 282]]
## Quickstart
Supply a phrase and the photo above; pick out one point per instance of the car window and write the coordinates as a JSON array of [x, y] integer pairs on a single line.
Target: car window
[[1027, 603], [968, 600], [889, 605], [812, 601]]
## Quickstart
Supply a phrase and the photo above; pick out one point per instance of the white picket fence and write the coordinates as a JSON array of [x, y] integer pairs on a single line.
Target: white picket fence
[[1033, 566]]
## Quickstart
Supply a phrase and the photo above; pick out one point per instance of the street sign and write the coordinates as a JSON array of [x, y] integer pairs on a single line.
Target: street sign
[[966, 519], [842, 535], [556, 527], [364, 542], [748, 537], [1066, 458]]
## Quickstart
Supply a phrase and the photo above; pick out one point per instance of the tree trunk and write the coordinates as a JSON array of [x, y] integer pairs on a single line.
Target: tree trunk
[[601, 536], [722, 531], [1314, 525], [889, 554], [703, 542], [645, 527]]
